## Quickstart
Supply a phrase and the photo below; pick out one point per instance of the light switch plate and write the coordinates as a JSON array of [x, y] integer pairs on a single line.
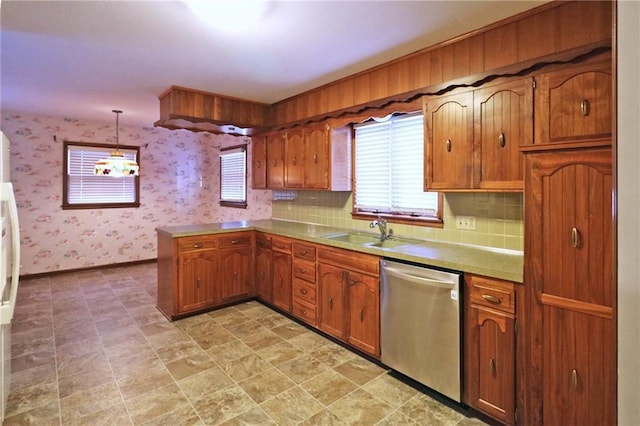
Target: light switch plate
[[466, 222]]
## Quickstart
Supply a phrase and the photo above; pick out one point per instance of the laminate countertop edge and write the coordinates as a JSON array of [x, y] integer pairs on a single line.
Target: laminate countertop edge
[[495, 263]]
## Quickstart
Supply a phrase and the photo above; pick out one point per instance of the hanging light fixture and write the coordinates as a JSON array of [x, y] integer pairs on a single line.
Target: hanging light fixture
[[116, 165]]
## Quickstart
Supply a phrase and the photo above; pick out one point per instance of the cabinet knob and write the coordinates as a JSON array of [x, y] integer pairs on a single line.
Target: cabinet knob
[[361, 315], [303, 252], [198, 282], [315, 158], [294, 161], [303, 290], [198, 245], [330, 302], [259, 164], [585, 107], [448, 145], [501, 140], [302, 270]]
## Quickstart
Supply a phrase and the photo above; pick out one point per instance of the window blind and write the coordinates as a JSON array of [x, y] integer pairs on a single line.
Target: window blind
[[389, 167], [233, 175], [83, 187]]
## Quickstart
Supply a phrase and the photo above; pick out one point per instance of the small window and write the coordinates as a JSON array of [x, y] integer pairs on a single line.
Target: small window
[[84, 190], [389, 164], [233, 177]]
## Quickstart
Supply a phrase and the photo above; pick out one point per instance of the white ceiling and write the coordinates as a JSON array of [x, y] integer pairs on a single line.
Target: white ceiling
[[81, 59]]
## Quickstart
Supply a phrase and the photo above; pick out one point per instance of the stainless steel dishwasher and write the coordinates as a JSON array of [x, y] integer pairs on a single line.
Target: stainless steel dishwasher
[[420, 325]]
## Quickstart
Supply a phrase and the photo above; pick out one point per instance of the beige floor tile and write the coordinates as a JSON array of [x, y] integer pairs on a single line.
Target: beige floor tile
[[254, 417], [333, 355], [43, 415], [292, 407], [244, 329], [85, 403], [84, 380], [324, 418], [41, 374], [128, 365], [156, 328], [224, 405], [396, 418], [266, 385], [108, 326], [204, 383], [182, 416], [214, 336], [228, 352], [329, 386], [228, 316], [262, 339], [87, 363], [173, 350], [25, 362], [24, 399], [302, 368], [142, 381], [390, 390], [114, 415], [359, 370], [82, 347], [360, 407], [280, 353], [426, 410], [245, 367], [309, 341], [156, 403], [189, 365], [290, 330]]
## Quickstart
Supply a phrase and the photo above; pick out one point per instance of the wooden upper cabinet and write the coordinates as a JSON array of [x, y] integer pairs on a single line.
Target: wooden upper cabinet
[[317, 165], [275, 159], [449, 142], [574, 104], [503, 122], [259, 162], [294, 158]]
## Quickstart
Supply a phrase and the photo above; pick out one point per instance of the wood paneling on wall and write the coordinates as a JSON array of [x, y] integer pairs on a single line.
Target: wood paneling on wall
[[545, 31]]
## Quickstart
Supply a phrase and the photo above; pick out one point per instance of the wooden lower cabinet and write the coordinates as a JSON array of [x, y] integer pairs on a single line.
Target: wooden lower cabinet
[[490, 347], [264, 280], [281, 270], [196, 275], [363, 295], [332, 300], [236, 265]]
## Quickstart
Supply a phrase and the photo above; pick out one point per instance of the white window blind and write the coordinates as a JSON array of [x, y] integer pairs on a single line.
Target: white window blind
[[83, 187], [389, 167], [233, 175]]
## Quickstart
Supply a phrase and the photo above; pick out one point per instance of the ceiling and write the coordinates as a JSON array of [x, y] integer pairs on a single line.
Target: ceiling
[[81, 59]]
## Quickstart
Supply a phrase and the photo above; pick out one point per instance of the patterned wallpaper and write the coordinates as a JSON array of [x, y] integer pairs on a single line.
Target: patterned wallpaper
[[179, 185]]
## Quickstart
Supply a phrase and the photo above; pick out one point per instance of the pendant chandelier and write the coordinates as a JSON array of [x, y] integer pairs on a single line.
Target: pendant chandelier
[[116, 165]]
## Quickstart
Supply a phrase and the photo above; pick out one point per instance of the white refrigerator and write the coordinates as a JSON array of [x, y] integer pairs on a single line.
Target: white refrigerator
[[9, 269]]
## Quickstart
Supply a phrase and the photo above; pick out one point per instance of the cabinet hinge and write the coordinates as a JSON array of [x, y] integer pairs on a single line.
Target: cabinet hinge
[[515, 416], [516, 328], [533, 83]]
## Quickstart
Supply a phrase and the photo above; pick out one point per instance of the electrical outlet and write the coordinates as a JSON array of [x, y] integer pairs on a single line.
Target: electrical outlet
[[466, 222]]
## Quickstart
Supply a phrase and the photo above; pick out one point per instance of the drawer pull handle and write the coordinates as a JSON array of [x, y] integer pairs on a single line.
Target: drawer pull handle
[[491, 299], [501, 140], [574, 379], [492, 366], [302, 270], [236, 241], [448, 145], [198, 245], [575, 238], [304, 313], [303, 290], [585, 107], [303, 253]]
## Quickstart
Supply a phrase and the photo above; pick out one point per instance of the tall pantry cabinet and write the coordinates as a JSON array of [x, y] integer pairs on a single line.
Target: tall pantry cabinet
[[570, 316]]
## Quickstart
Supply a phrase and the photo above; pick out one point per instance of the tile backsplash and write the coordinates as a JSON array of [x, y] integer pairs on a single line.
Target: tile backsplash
[[499, 222]]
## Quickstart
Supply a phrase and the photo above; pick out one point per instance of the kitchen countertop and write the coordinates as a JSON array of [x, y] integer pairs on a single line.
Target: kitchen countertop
[[496, 263]]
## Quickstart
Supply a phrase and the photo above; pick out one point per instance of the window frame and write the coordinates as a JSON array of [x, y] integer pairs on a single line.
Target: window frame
[[107, 150], [234, 203], [393, 217]]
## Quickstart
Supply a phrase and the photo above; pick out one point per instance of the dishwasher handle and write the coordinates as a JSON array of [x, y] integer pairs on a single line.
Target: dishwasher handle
[[418, 279]]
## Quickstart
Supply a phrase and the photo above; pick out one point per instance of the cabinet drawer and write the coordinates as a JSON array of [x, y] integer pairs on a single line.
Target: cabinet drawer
[[234, 240], [491, 292], [351, 260], [263, 240], [303, 290], [304, 251], [187, 244], [304, 311], [304, 270], [281, 244]]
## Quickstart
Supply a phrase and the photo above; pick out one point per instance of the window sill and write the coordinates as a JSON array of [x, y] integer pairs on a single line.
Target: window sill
[[433, 222], [234, 204]]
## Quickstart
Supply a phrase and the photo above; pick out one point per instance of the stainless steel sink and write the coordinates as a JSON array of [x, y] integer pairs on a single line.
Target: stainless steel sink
[[369, 240]]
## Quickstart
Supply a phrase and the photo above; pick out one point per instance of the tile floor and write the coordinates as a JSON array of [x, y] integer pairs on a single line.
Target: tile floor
[[90, 348]]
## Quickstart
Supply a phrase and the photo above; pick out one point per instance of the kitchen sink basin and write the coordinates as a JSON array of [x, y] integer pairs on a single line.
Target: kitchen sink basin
[[369, 240]]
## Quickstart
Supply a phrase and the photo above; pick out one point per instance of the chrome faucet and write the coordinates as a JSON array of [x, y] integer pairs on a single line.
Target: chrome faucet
[[382, 226]]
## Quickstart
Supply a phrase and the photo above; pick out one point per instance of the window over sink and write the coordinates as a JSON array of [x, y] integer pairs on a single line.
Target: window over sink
[[389, 171]]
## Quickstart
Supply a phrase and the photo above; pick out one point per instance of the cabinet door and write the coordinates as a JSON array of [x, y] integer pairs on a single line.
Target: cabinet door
[[282, 280], [235, 270], [263, 274], [364, 312], [317, 164], [275, 160], [503, 116], [579, 378], [574, 104], [492, 343], [294, 159], [449, 142], [197, 280], [259, 162], [571, 291], [331, 302]]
